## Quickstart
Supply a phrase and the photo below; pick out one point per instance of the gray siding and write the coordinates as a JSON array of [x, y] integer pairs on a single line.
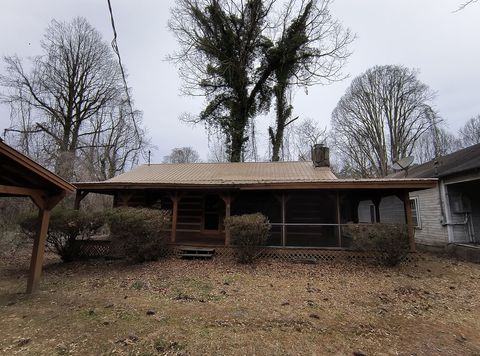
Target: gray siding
[[431, 232]]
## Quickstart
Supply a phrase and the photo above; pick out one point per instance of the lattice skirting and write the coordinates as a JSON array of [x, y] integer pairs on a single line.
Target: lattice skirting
[[93, 248], [102, 248]]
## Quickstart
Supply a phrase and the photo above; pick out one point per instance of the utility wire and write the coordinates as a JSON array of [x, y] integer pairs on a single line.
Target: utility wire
[[117, 52]]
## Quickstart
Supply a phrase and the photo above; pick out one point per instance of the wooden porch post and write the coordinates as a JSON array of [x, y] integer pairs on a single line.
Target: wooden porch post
[[38, 250], [44, 204], [409, 220], [175, 199], [79, 196], [339, 227], [284, 231], [228, 202], [376, 201]]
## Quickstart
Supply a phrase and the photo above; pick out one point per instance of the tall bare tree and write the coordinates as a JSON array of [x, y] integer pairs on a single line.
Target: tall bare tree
[[435, 142], [66, 91], [470, 133], [380, 118], [182, 155], [312, 49]]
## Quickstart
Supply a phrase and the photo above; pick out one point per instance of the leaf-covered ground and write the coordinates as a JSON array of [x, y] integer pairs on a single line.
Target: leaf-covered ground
[[219, 307]]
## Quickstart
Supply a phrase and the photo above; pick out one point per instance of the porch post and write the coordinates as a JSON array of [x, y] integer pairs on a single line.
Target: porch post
[[79, 196], [175, 199], [38, 250], [339, 220], [284, 232], [44, 204], [409, 220], [228, 202], [376, 201]]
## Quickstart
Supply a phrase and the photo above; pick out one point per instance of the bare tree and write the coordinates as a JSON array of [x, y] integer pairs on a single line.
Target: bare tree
[[433, 143], [380, 118], [66, 91], [470, 133], [312, 49], [307, 134], [182, 155], [116, 143]]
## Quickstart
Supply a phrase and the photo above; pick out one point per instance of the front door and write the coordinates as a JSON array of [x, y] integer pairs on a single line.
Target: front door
[[212, 213]]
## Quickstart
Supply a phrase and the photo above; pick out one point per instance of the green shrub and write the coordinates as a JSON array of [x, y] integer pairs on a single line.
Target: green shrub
[[65, 228], [139, 234], [387, 242], [248, 233]]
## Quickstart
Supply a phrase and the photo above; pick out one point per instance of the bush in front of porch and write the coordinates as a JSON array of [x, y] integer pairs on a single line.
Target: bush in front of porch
[[139, 234], [249, 232], [387, 242]]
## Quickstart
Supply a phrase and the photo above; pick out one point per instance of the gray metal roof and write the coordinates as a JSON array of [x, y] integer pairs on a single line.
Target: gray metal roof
[[462, 161]]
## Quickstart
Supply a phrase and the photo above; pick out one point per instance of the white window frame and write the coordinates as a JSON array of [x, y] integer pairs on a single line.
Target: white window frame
[[416, 212]]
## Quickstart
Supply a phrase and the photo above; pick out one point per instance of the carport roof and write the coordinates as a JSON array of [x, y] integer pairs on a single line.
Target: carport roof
[[19, 171]]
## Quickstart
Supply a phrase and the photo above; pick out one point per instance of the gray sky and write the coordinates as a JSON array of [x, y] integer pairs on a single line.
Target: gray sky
[[425, 35]]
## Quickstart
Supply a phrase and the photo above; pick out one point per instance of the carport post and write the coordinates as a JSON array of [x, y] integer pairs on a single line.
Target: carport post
[[38, 250], [409, 220]]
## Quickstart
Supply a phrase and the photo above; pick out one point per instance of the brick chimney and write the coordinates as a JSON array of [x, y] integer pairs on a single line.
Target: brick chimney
[[320, 155]]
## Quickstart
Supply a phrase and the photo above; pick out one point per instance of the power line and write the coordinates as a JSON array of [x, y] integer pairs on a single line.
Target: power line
[[117, 52]]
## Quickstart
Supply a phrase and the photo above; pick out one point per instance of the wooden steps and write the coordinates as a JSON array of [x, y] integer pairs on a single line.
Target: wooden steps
[[195, 252]]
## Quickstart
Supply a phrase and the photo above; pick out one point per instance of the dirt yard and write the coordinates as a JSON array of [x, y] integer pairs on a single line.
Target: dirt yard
[[179, 307]]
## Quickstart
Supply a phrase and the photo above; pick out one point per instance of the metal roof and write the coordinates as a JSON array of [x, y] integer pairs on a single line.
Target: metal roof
[[461, 161], [245, 175], [226, 173]]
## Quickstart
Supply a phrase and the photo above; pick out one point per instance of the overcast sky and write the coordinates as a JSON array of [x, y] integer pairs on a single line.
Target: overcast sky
[[422, 34]]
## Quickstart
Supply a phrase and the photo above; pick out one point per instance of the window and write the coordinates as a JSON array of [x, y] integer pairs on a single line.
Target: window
[[414, 206]]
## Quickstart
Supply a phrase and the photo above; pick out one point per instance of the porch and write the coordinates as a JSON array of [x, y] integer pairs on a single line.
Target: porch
[[305, 218]]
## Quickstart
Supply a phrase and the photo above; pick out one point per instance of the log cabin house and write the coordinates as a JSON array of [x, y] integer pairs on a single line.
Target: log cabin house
[[307, 205]]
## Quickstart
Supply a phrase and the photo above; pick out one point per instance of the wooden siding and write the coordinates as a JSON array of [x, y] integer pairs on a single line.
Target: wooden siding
[[431, 232]]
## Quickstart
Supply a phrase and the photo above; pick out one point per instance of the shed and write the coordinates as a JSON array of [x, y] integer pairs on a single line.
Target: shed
[[22, 177]]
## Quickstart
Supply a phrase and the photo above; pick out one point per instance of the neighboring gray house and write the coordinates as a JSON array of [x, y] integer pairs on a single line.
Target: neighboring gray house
[[448, 214]]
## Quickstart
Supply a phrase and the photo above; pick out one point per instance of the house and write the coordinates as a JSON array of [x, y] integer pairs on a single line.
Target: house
[[448, 214], [20, 176], [305, 202]]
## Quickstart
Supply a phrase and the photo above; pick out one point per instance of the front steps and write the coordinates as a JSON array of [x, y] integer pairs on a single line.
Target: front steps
[[194, 252]]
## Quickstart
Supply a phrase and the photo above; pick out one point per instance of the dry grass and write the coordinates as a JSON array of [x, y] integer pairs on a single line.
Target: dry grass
[[213, 307]]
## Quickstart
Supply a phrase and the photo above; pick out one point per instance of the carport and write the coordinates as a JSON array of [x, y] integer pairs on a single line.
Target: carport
[[22, 177]]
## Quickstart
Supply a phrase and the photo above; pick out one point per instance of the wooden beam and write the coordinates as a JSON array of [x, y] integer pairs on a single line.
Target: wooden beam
[[284, 231], [175, 200], [227, 199], [38, 251], [79, 196], [22, 191], [339, 227], [409, 220], [376, 201]]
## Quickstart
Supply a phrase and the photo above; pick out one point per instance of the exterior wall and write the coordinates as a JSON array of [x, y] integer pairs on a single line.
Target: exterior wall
[[431, 231]]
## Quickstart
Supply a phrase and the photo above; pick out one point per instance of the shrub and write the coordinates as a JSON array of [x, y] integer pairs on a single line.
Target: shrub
[[387, 242], [248, 232], [139, 234], [65, 228]]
